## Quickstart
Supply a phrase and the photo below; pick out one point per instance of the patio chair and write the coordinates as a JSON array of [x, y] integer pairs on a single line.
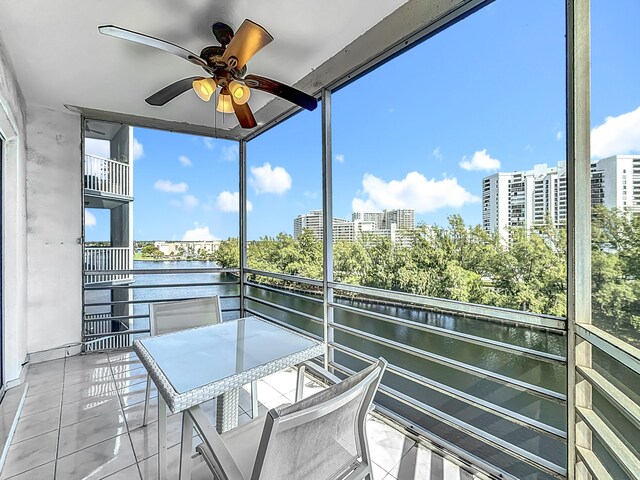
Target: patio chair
[[173, 316], [322, 437]]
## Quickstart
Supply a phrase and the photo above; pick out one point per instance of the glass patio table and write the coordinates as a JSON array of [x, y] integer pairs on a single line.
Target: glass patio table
[[193, 366]]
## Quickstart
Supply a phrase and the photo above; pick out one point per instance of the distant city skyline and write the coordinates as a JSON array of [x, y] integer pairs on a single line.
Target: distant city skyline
[[535, 196], [392, 224]]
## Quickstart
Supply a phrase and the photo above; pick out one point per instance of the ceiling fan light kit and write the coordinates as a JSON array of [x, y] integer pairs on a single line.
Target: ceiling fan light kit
[[204, 88], [240, 93], [225, 66], [225, 104]]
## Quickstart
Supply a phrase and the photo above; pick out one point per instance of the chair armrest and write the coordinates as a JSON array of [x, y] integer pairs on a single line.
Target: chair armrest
[[321, 372], [216, 454]]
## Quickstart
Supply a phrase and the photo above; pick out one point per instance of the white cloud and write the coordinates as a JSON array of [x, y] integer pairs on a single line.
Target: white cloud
[[89, 219], [436, 153], [230, 202], [198, 233], [185, 161], [168, 186], [209, 143], [97, 147], [617, 135], [559, 135], [481, 160], [138, 149], [359, 205], [414, 191], [230, 153], [265, 179], [188, 202], [340, 158]]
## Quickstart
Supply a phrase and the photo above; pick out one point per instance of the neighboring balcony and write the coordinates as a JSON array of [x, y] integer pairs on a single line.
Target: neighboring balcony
[[107, 183], [101, 259]]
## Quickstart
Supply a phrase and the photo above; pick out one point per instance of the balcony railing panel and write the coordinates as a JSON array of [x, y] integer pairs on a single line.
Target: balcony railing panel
[[106, 176], [490, 379], [100, 259], [115, 315]]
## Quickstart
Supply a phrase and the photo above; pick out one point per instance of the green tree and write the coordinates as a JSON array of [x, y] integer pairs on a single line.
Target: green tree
[[228, 253], [151, 251]]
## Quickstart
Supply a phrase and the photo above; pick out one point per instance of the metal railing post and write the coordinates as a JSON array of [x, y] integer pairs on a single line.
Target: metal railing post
[[578, 217], [327, 227], [243, 221]]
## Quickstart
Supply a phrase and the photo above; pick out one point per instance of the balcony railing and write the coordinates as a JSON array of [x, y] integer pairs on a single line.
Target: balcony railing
[[106, 176], [486, 383], [116, 259]]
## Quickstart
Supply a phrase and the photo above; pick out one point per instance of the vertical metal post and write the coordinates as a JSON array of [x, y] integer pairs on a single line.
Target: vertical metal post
[[327, 225], [81, 239], [579, 206], [243, 220]]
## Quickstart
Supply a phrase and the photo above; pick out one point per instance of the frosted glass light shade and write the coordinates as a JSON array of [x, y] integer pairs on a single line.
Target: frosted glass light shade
[[240, 93], [204, 88], [224, 104]]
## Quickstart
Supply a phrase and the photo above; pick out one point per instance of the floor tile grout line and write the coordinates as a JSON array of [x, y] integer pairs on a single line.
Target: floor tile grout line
[[64, 373], [126, 423]]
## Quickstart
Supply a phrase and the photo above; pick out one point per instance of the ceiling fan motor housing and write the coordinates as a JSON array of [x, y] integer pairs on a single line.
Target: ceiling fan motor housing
[[213, 55]]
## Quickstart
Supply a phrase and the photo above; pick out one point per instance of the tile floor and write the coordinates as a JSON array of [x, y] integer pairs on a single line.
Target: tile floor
[[82, 419]]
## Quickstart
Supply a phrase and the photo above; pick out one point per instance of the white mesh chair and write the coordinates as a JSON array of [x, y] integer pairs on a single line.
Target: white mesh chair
[[173, 316], [322, 437]]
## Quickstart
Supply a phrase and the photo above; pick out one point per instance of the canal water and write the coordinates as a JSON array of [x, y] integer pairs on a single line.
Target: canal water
[[511, 365]]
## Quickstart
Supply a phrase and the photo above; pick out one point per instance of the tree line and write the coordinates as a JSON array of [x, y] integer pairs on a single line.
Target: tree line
[[460, 262]]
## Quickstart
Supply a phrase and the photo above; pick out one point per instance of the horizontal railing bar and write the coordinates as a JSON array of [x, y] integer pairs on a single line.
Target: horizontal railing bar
[[470, 430], [613, 394], [616, 447], [155, 300], [118, 317], [593, 465], [283, 292], [162, 285], [486, 311], [161, 271], [132, 317], [116, 334], [284, 276], [464, 397], [283, 324], [308, 316], [465, 337], [624, 353], [507, 381]]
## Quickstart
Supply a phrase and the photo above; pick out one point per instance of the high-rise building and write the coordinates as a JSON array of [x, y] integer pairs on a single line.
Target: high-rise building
[[311, 221], [393, 224], [536, 197], [615, 182], [402, 218]]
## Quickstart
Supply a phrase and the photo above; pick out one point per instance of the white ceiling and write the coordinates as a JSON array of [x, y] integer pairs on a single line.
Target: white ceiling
[[61, 59]]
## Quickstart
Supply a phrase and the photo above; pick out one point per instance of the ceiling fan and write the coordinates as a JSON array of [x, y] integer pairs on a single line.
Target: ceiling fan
[[226, 67]]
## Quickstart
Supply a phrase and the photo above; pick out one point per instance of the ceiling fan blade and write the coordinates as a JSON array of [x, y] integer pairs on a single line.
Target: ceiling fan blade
[[222, 32], [249, 38], [244, 114], [170, 92], [136, 37], [281, 90]]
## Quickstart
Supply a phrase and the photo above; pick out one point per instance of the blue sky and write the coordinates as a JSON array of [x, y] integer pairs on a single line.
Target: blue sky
[[421, 131]]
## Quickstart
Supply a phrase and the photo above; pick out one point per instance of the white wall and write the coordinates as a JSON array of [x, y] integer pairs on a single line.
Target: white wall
[[14, 281], [54, 226]]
